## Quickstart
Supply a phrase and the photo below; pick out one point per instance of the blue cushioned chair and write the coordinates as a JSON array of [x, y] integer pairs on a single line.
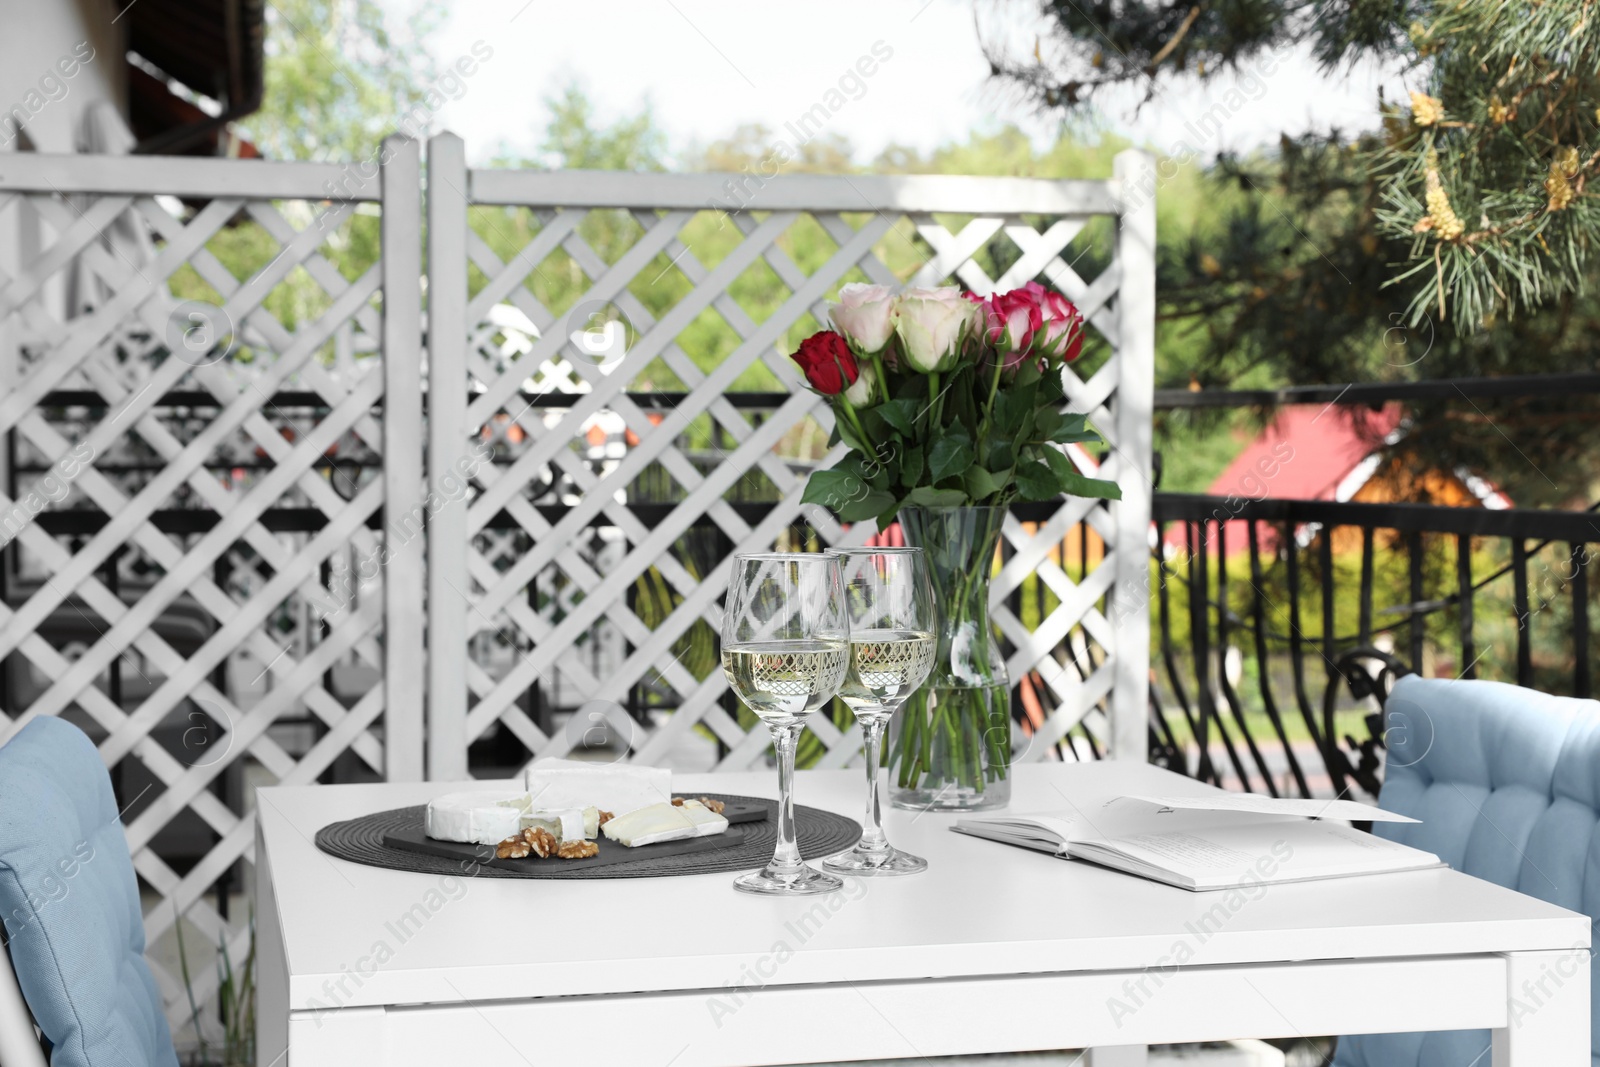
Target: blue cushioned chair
[[1506, 782], [71, 906]]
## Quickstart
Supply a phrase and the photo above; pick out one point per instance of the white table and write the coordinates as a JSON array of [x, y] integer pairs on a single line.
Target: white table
[[993, 949]]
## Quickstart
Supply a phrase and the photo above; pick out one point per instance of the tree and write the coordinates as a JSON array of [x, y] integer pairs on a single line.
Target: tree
[[1440, 243], [339, 79], [572, 141], [1482, 178]]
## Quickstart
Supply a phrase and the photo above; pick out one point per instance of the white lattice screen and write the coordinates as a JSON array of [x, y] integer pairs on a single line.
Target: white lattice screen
[[212, 526], [508, 363], [188, 526]]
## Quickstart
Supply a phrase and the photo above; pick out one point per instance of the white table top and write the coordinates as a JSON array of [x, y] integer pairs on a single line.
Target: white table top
[[982, 909]]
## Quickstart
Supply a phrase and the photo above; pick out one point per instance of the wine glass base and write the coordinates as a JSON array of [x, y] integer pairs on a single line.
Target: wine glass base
[[804, 880], [859, 861]]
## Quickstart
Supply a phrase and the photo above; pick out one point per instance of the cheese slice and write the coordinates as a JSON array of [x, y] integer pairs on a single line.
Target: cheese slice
[[615, 787], [664, 822], [567, 824], [475, 818]]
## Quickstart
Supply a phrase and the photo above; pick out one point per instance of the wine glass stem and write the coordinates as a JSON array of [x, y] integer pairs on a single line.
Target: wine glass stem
[[872, 835], [786, 854]]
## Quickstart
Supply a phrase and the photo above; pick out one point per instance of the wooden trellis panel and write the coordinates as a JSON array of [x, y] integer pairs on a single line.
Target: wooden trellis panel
[[584, 544], [190, 466]]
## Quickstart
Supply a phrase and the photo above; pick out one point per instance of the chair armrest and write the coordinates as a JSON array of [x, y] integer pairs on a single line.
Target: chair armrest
[[19, 1045]]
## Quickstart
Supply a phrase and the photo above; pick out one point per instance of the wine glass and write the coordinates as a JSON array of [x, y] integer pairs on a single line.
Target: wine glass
[[889, 599], [785, 646]]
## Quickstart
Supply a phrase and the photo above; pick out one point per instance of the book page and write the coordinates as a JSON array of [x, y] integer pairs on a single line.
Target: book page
[[1348, 810], [1264, 852], [1055, 827]]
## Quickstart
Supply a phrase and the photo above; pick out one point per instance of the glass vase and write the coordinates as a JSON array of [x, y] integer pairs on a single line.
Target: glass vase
[[950, 746]]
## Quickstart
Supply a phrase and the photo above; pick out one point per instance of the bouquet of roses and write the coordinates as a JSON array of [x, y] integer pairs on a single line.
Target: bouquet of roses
[[946, 398], [951, 406]]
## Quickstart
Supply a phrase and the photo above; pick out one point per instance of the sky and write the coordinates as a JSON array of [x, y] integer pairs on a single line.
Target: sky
[[708, 66]]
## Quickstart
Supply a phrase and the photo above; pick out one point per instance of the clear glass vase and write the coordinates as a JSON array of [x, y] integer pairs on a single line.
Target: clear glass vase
[[950, 746]]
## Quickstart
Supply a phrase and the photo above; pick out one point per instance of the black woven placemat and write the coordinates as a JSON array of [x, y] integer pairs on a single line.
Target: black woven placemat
[[821, 833]]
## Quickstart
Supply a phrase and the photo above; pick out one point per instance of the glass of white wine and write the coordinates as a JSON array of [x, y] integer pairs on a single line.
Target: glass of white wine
[[889, 598], [785, 646]]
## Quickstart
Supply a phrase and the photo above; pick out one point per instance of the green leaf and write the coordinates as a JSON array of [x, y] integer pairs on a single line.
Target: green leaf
[[911, 467], [1079, 485], [980, 483], [928, 497], [872, 421], [1073, 429], [1074, 483], [833, 489], [1058, 463], [1001, 456], [847, 434], [949, 456], [1036, 481], [901, 414], [867, 506], [1028, 373], [1050, 391], [1009, 408]]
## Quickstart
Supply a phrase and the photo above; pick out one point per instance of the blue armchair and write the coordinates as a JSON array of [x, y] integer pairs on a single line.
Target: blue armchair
[[70, 905], [1507, 783]]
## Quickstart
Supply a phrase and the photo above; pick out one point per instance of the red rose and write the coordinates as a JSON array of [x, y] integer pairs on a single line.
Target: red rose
[[827, 362]]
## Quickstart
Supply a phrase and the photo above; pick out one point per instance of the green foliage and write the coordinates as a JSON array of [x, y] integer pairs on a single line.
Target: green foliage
[[1477, 191], [977, 435], [338, 79], [1486, 174], [573, 141], [236, 992]]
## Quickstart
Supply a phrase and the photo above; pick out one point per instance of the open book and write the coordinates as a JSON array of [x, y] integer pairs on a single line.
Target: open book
[[1212, 841]]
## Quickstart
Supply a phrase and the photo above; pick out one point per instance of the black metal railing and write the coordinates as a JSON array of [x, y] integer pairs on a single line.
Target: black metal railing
[[1261, 607]]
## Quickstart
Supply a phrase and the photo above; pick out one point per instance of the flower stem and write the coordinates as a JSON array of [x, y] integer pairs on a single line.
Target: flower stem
[[883, 380], [988, 408], [855, 423]]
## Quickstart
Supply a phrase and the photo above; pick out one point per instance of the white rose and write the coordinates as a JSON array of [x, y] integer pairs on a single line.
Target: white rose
[[863, 393], [865, 314], [932, 324]]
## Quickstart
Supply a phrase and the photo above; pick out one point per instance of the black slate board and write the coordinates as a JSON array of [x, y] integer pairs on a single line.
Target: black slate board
[[412, 839], [821, 833]]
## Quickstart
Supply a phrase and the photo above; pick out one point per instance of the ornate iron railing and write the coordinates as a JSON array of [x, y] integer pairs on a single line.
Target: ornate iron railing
[[1262, 618]]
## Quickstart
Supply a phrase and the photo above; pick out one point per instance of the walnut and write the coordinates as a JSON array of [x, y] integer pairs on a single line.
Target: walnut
[[677, 802], [605, 817], [713, 805], [541, 841], [514, 847], [578, 850]]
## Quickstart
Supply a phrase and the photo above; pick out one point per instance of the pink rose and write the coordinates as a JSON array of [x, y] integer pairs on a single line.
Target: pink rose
[[1011, 320], [1062, 335], [865, 314], [932, 324]]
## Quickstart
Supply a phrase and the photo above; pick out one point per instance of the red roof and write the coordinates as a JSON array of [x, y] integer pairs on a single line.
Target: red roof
[[1307, 453]]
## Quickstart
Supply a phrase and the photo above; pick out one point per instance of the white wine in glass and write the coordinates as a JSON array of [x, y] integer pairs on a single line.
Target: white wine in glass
[[785, 650], [889, 599], [785, 681], [885, 667]]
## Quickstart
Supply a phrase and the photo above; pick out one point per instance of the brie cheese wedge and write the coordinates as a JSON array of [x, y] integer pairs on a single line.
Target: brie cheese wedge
[[616, 787], [473, 818], [567, 824], [664, 822]]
